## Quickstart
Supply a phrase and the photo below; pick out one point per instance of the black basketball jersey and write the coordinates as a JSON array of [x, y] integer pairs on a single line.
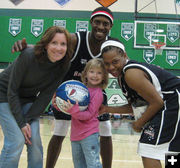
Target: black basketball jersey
[[81, 56], [162, 128], [163, 81]]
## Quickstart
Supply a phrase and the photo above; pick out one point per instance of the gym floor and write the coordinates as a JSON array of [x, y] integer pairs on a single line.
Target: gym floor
[[125, 142]]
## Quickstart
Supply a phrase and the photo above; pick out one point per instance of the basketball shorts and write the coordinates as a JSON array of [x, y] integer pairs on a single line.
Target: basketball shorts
[[61, 127], [161, 135]]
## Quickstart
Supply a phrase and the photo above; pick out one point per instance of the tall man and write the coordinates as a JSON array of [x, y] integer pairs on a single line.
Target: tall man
[[86, 45]]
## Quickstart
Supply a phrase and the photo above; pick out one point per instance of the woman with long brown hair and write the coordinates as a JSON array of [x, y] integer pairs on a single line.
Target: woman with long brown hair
[[26, 88]]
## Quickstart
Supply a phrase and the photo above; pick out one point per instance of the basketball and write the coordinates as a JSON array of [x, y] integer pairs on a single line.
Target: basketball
[[74, 91]]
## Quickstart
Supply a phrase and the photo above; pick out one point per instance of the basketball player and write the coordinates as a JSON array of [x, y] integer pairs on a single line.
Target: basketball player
[[86, 46], [147, 85]]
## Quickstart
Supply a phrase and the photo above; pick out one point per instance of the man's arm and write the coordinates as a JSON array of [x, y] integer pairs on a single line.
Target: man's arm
[[19, 45], [22, 44]]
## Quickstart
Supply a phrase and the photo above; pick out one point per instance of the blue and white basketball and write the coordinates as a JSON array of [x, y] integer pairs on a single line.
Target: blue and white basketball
[[74, 91]]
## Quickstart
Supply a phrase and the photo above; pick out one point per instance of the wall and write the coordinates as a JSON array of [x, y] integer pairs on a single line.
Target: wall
[[73, 11], [89, 5]]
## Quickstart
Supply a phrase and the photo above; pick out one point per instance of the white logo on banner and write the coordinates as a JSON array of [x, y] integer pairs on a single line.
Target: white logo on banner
[[148, 56], [60, 23], [149, 29], [127, 30], [173, 32], [172, 57], [37, 27], [14, 26], [81, 26]]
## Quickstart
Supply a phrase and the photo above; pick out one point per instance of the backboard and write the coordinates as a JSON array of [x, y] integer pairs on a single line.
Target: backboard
[[157, 21], [148, 32]]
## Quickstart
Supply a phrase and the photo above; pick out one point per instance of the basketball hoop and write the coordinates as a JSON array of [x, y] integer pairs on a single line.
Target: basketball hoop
[[158, 47]]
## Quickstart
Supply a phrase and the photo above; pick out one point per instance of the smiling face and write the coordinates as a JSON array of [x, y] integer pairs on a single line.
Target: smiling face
[[94, 77], [57, 47], [101, 26], [114, 62]]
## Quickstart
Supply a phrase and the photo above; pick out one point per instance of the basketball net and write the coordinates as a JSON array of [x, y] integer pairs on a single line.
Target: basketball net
[[158, 47]]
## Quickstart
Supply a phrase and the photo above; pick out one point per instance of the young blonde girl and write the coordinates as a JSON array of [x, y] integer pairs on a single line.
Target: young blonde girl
[[85, 124]]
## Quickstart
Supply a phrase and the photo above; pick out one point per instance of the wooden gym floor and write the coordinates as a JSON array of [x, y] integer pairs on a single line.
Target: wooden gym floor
[[124, 145]]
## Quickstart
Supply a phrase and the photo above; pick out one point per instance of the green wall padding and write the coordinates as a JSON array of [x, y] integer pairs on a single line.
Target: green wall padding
[[7, 40]]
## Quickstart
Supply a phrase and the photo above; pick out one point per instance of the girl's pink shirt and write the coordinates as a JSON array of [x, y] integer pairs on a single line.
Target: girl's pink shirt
[[85, 123]]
